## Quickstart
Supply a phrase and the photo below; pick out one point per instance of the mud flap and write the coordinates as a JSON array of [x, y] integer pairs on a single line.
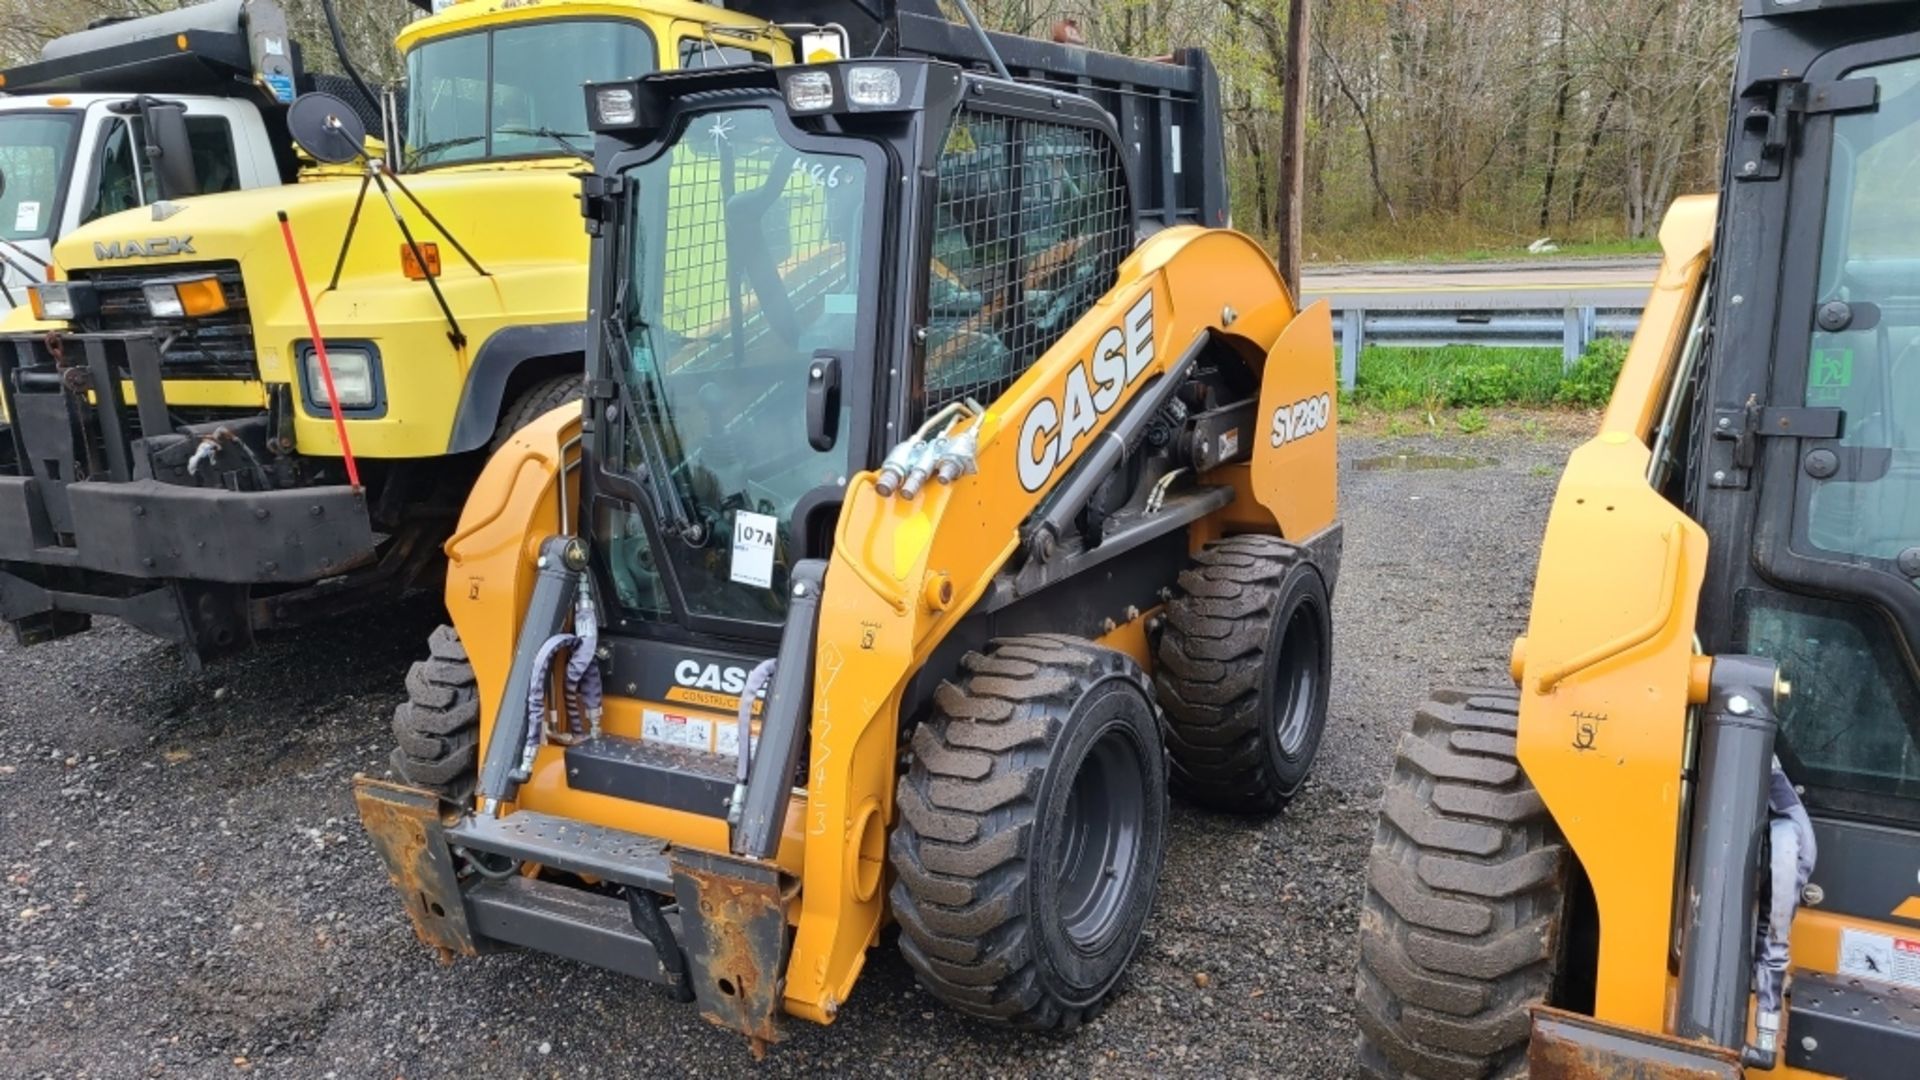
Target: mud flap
[[407, 829], [1567, 1046], [733, 924]]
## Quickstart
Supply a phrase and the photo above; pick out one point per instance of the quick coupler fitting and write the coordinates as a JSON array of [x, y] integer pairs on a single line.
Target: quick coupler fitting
[[736, 806], [894, 469], [523, 772], [961, 457]]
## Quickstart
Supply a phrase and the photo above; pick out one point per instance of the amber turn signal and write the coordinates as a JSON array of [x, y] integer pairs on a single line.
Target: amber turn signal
[[202, 296], [429, 252]]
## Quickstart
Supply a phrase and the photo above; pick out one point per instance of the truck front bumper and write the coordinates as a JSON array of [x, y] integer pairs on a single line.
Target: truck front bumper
[[150, 529]]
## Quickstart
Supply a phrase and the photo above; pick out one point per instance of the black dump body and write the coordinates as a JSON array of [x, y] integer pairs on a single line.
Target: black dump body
[[230, 49], [1167, 111]]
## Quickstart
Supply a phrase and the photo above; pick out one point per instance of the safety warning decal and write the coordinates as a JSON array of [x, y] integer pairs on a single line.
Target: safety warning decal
[[1880, 956], [672, 729]]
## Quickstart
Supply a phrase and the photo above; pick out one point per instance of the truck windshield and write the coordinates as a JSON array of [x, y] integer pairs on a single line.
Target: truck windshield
[[744, 261], [515, 92], [36, 155]]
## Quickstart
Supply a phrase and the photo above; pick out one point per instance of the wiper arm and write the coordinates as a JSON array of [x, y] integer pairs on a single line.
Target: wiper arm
[[669, 506], [415, 153], [560, 137]]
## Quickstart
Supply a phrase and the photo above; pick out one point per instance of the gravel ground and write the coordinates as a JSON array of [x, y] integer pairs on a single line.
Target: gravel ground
[[188, 891]]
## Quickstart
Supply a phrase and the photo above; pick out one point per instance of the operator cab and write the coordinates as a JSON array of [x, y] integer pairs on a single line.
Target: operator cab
[[1813, 461], [795, 269]]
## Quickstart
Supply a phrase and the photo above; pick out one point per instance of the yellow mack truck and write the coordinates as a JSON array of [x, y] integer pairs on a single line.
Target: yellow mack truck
[[174, 457]]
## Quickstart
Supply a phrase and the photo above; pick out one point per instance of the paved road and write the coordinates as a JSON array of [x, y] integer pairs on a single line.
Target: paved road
[[1543, 284]]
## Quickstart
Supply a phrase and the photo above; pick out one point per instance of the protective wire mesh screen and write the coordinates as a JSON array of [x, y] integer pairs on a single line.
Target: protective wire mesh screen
[[1030, 226]]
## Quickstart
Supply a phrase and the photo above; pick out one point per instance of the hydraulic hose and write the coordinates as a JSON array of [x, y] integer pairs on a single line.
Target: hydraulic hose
[[340, 48], [756, 681], [585, 696], [1791, 852]]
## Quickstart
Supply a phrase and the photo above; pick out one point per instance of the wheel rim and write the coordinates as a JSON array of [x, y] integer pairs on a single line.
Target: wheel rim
[[1298, 676], [1099, 855]]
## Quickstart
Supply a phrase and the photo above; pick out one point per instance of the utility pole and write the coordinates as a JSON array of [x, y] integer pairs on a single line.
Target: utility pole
[[1293, 137]]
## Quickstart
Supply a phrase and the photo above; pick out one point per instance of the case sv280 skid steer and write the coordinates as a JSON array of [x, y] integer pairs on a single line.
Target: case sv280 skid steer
[[1689, 845], [940, 404]]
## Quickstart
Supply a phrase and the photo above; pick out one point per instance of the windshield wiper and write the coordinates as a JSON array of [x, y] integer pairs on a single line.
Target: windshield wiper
[[669, 506], [415, 153], [560, 137]]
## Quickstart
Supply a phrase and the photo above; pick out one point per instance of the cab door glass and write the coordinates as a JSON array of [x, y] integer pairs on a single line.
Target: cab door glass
[[703, 52], [1850, 729], [1865, 354], [126, 177]]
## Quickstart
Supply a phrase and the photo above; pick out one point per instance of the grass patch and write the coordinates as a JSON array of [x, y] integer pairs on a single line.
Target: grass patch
[[1479, 377]]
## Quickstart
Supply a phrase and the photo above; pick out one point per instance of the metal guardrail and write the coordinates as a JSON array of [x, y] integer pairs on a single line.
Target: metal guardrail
[[1572, 328]]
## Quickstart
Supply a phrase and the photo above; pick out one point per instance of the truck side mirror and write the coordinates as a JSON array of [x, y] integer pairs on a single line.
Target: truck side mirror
[[823, 401], [168, 149]]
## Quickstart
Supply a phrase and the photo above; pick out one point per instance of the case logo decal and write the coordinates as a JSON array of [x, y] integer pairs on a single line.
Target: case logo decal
[[1050, 429]]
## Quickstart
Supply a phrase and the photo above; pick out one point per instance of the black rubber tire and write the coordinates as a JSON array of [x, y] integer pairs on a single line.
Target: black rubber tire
[[534, 402], [1245, 669], [1466, 905], [1042, 739], [438, 726]]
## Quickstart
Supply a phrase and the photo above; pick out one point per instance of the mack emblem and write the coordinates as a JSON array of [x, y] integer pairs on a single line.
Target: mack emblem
[[158, 247]]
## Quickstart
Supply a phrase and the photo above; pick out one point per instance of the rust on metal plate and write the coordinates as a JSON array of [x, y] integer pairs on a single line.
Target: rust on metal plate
[[1568, 1046], [405, 825], [733, 918]]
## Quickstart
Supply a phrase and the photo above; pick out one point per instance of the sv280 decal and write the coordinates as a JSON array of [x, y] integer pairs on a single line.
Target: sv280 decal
[[1308, 416]]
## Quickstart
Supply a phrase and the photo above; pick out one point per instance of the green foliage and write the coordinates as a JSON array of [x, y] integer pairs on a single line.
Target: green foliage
[[1456, 376], [1481, 377], [1590, 383], [1471, 422]]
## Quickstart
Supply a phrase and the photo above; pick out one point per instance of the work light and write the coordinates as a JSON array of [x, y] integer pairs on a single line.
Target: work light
[[614, 106], [873, 87], [810, 91]]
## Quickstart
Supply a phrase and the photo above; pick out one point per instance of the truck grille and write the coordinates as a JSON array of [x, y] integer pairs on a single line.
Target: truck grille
[[216, 347]]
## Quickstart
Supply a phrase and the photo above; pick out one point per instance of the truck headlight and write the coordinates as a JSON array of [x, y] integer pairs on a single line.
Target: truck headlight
[[187, 298], [52, 301], [810, 91], [353, 378]]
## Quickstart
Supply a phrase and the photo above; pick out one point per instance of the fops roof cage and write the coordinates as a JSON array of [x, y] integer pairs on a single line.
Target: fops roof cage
[[238, 48], [1167, 110]]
